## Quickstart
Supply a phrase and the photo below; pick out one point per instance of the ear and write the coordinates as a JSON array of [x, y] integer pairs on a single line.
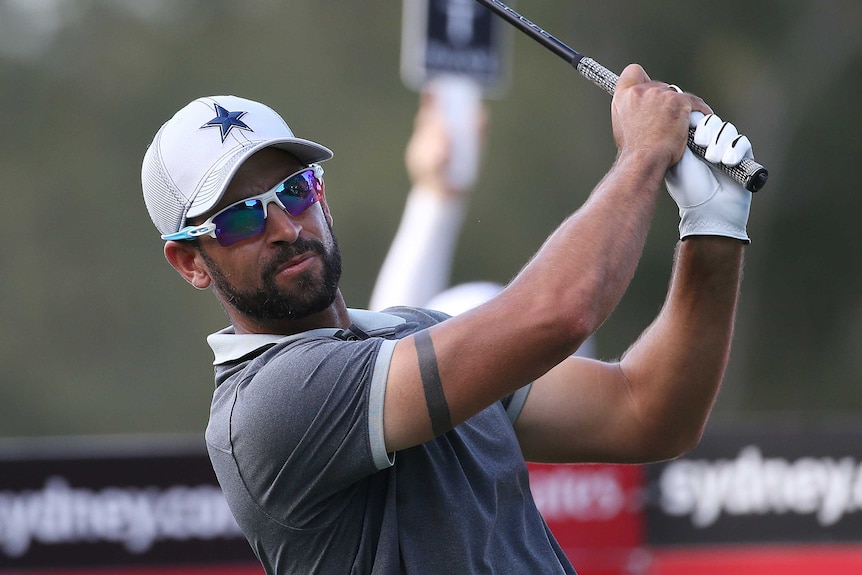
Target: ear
[[185, 258]]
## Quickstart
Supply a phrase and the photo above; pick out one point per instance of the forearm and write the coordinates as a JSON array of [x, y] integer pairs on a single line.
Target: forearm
[[675, 368], [582, 271], [540, 318]]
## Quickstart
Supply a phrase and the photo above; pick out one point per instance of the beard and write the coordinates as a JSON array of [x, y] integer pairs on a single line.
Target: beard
[[310, 294]]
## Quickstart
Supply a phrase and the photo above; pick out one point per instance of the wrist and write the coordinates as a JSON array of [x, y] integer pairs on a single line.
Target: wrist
[[428, 207], [710, 203], [723, 213], [661, 157], [646, 165], [693, 224], [438, 189]]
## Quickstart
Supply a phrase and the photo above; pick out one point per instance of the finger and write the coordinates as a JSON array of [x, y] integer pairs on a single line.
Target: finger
[[706, 130], [723, 138], [632, 75], [739, 149], [698, 104], [695, 118]]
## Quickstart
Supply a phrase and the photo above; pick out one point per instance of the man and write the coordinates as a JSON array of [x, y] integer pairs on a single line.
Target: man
[[349, 441]]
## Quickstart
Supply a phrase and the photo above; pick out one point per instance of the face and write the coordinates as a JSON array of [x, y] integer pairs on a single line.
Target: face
[[289, 272]]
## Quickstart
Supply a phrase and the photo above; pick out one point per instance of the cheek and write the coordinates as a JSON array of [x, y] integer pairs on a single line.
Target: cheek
[[317, 224], [244, 268], [238, 269]]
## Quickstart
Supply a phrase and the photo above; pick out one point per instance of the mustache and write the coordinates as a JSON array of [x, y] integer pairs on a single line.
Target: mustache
[[288, 252]]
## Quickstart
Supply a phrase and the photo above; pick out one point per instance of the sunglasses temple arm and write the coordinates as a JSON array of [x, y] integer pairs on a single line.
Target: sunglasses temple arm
[[190, 232]]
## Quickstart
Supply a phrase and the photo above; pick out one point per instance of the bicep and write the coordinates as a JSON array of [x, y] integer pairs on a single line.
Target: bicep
[[580, 411], [442, 376], [432, 386], [406, 419]]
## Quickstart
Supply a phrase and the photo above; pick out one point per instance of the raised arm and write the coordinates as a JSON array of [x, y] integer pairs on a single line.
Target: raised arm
[[654, 403], [450, 372]]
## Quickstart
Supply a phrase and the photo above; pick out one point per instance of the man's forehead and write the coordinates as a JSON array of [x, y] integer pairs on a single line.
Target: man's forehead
[[259, 173]]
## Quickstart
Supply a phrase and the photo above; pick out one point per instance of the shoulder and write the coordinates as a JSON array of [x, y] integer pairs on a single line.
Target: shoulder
[[419, 316]]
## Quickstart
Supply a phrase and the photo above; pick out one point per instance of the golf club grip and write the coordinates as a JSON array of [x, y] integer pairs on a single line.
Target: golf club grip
[[748, 172]]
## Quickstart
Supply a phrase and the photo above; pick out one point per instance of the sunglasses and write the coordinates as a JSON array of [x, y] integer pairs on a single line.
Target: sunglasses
[[247, 218]]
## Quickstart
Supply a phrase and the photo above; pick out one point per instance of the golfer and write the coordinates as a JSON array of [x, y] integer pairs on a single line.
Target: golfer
[[394, 442]]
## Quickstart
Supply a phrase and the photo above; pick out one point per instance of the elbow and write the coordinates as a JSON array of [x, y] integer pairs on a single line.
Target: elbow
[[576, 322], [577, 327], [668, 416], [669, 442], [559, 323], [685, 442], [570, 331]]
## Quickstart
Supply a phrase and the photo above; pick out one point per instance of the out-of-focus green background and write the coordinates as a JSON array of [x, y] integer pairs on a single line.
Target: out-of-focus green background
[[99, 335]]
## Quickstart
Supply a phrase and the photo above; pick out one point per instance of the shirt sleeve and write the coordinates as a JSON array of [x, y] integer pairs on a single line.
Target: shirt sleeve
[[307, 425], [515, 402], [382, 459]]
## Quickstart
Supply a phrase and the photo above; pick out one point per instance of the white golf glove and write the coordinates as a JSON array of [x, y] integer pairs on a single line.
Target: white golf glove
[[710, 202]]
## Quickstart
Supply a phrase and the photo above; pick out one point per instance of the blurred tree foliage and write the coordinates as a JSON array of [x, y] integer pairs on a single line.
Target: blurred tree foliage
[[99, 335]]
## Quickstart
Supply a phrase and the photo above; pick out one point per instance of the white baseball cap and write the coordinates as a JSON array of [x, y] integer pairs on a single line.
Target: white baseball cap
[[194, 155]]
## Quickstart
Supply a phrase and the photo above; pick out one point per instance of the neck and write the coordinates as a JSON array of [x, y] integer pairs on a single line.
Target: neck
[[333, 316]]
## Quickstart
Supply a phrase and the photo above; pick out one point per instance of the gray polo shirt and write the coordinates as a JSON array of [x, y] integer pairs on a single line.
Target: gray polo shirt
[[296, 440]]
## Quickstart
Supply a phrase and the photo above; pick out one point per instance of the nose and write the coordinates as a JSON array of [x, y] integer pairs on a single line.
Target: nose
[[281, 226]]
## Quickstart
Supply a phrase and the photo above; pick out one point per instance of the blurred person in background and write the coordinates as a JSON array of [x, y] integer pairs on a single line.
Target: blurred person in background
[[418, 265]]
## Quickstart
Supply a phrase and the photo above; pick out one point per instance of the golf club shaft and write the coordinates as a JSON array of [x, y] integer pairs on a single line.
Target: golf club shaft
[[749, 173]]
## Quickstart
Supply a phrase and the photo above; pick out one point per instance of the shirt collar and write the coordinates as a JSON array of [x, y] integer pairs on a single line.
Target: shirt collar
[[228, 346]]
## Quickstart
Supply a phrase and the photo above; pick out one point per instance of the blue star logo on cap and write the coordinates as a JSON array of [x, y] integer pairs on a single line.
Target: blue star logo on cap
[[227, 121]]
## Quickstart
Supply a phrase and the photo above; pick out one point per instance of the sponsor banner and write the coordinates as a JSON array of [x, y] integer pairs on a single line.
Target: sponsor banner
[[98, 502], [756, 560], [766, 484], [93, 504], [591, 506], [232, 569]]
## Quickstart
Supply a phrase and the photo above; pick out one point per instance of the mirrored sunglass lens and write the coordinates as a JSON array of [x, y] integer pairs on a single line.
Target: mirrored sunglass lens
[[240, 222], [300, 192]]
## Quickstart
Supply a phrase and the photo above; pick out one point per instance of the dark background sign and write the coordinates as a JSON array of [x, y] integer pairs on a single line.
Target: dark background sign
[[758, 485], [458, 37], [151, 503], [97, 503]]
